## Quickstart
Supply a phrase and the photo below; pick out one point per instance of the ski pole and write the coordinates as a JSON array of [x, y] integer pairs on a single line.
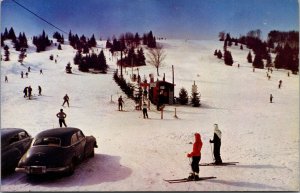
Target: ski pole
[[211, 152]]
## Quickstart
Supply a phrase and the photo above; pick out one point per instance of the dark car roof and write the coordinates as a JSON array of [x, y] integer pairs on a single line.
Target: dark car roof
[[7, 133], [64, 134]]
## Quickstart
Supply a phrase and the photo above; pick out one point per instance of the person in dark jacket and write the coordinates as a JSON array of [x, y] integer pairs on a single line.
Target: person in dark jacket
[[29, 92], [196, 156], [40, 90], [120, 102], [25, 91], [217, 144], [66, 100], [61, 118], [145, 114]]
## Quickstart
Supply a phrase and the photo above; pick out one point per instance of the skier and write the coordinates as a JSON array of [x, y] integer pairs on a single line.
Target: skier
[[120, 101], [61, 118], [29, 91], [217, 144], [271, 98], [26, 74], [280, 82], [29, 69], [66, 100], [6, 79], [41, 71], [22, 74], [40, 90], [145, 110], [25, 91], [196, 156]]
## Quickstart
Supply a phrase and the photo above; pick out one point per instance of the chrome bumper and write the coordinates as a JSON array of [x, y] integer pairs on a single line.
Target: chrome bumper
[[40, 169]]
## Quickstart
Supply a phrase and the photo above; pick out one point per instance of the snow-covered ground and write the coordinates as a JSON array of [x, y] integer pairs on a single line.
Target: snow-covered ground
[[136, 154]]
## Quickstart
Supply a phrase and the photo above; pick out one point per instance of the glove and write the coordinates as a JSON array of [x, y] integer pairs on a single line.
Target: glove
[[188, 155], [210, 141]]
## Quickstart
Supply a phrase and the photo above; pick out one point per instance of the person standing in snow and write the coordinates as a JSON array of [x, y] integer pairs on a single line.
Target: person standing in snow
[[29, 91], [120, 101], [29, 69], [196, 156], [25, 91], [6, 79], [26, 74], [217, 144], [280, 83], [22, 74], [145, 110], [40, 90], [271, 98], [61, 118], [41, 71], [66, 100]]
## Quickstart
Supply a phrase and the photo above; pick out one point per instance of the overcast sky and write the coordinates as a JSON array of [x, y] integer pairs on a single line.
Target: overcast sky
[[185, 19]]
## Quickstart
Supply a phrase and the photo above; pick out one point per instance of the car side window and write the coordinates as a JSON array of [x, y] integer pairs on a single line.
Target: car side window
[[14, 139], [80, 135], [23, 135], [74, 138]]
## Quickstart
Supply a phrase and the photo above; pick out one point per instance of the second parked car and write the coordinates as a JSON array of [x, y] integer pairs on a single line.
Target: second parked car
[[57, 150], [14, 143]]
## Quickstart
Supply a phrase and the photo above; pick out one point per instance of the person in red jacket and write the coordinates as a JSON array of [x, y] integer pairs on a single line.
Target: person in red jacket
[[196, 156]]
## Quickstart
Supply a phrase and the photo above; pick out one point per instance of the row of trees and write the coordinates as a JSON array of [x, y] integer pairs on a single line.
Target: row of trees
[[41, 42], [284, 44], [127, 88], [82, 44], [183, 98], [134, 58], [91, 61]]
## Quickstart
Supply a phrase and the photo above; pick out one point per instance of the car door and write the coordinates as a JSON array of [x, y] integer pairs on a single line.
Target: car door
[[77, 145]]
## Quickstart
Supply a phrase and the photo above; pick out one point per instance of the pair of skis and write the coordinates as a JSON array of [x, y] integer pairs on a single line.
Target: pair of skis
[[188, 180], [181, 180], [218, 164]]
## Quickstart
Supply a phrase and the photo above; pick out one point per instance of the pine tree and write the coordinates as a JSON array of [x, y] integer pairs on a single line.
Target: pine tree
[[102, 62], [249, 57], [269, 60], [183, 96], [12, 35], [141, 57], [6, 53], [195, 96], [220, 55], [228, 60], [257, 62]]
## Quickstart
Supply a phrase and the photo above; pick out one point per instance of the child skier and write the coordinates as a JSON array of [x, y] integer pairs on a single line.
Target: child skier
[[120, 101], [196, 156]]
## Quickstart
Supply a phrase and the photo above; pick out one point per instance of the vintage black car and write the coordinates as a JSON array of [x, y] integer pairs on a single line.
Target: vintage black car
[[14, 143], [57, 150]]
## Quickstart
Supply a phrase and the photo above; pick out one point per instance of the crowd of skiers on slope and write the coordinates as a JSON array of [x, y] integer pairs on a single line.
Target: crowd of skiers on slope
[[196, 152]]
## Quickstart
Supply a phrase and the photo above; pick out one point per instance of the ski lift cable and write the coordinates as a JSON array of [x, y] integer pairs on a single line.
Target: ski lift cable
[[39, 17]]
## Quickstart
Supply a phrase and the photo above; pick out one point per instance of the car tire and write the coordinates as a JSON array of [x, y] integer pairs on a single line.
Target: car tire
[[92, 153], [71, 168]]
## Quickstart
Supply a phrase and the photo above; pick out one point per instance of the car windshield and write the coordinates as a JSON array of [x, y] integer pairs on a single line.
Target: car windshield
[[51, 141]]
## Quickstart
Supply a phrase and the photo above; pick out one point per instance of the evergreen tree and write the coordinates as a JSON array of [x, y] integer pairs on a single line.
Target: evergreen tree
[[102, 62], [12, 35], [195, 96], [228, 60], [279, 60], [92, 42], [257, 62], [6, 53], [249, 57], [216, 53], [77, 58], [5, 35], [183, 96], [141, 57]]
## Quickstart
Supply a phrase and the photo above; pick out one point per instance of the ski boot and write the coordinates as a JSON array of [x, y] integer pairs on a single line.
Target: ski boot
[[191, 177], [196, 177]]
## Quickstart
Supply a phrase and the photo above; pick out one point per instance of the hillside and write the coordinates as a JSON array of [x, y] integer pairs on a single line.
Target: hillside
[[136, 154]]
